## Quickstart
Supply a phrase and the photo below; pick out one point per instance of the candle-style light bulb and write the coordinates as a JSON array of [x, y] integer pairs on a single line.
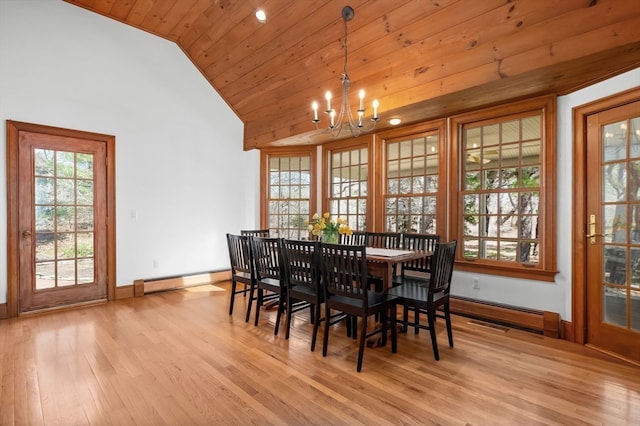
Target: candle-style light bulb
[[361, 94], [328, 98], [375, 109], [314, 105], [360, 115]]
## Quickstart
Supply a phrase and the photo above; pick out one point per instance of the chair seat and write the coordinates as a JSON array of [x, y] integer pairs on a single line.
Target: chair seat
[[302, 290], [374, 300], [243, 276], [270, 284], [416, 292]]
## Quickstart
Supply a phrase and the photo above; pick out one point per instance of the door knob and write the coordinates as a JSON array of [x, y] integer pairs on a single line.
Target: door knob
[[26, 233]]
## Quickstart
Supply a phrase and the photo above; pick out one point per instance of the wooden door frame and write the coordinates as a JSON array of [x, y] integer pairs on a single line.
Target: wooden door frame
[[578, 328], [13, 241]]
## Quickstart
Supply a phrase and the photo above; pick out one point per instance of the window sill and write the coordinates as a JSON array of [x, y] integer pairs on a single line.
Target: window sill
[[533, 272]]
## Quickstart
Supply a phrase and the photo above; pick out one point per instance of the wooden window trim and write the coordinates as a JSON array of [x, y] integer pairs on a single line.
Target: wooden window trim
[[546, 269], [290, 151]]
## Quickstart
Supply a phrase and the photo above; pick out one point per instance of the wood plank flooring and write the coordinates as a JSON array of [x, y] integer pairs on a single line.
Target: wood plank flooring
[[178, 358]]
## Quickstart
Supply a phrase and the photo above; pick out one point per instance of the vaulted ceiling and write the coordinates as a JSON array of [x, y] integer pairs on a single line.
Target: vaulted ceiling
[[421, 59]]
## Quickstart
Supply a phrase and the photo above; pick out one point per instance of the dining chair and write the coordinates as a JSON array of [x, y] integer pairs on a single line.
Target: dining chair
[[388, 240], [264, 233], [357, 238], [301, 275], [429, 297], [346, 290], [266, 256], [242, 270], [418, 269]]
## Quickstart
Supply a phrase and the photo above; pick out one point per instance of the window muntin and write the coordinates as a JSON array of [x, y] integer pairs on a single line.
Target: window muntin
[[412, 181], [348, 186], [501, 172], [289, 195]]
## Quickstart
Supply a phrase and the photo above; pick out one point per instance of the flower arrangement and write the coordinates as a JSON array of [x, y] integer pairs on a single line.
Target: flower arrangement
[[328, 229]]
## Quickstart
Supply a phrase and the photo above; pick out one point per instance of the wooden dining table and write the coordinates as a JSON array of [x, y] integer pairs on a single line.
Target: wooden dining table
[[381, 262]]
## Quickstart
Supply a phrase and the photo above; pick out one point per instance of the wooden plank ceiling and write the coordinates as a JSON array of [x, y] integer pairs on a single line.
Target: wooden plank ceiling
[[421, 59]]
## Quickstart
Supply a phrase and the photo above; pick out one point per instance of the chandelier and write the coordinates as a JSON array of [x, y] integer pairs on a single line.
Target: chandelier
[[344, 120]]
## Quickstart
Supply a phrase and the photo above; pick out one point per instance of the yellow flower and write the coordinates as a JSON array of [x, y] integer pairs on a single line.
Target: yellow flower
[[318, 225]]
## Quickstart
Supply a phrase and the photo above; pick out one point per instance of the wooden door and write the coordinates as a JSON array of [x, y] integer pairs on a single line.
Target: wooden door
[[613, 231], [61, 210]]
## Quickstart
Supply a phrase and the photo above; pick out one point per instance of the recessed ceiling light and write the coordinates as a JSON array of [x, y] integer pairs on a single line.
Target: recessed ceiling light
[[261, 16], [395, 121]]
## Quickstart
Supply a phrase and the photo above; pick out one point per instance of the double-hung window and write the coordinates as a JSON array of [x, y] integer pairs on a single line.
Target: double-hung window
[[413, 181], [506, 172], [348, 182], [288, 185]]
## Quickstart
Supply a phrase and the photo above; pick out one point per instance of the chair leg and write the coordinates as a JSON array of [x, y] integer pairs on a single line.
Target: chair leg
[[325, 340], [259, 304], [431, 316], [405, 316], [316, 324], [288, 309], [312, 314], [447, 317], [384, 321], [416, 319], [233, 296], [354, 326], [282, 302], [251, 296], [363, 338]]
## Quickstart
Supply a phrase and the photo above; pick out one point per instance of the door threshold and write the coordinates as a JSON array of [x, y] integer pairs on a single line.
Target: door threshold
[[63, 308]]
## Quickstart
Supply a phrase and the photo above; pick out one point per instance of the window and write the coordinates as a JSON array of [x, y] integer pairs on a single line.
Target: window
[[484, 178], [504, 218], [289, 198], [348, 184], [412, 183]]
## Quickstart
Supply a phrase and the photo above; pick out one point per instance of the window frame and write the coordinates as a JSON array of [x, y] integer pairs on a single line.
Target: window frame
[[282, 152], [545, 269], [410, 132], [328, 149]]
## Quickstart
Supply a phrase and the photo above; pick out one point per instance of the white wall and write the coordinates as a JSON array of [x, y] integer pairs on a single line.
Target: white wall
[[549, 296], [179, 161]]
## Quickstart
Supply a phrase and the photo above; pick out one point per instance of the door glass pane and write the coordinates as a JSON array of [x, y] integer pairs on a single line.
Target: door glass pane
[[614, 223], [66, 274], [614, 306], [63, 180], [45, 275], [44, 160], [614, 141], [615, 263]]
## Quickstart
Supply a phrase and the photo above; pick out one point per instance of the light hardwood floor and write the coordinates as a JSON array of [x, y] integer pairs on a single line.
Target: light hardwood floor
[[178, 358]]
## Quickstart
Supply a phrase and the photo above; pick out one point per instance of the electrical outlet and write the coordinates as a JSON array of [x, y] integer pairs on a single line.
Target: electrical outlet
[[476, 283], [155, 263]]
